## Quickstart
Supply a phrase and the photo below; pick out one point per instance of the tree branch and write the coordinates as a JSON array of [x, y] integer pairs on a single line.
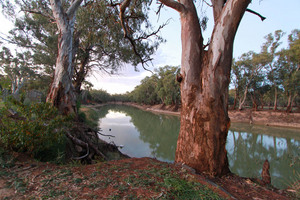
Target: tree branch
[[144, 37], [58, 13], [229, 19], [174, 4], [127, 36], [39, 13], [256, 13], [72, 9], [217, 8]]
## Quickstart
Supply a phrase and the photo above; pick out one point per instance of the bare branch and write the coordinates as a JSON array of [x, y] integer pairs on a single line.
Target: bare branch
[[74, 6], [39, 13], [144, 37], [256, 13], [123, 7], [16, 43], [58, 13], [174, 4], [159, 8], [217, 8], [207, 3], [105, 134]]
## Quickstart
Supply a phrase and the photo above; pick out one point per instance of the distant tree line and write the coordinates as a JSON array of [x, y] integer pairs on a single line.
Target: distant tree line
[[269, 78], [160, 88], [96, 41], [259, 80]]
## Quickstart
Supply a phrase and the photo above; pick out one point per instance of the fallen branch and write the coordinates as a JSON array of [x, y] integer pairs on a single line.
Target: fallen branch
[[105, 135], [83, 144], [95, 148]]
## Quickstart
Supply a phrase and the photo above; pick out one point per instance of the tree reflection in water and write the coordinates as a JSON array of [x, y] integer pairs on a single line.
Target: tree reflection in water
[[158, 132], [146, 134], [248, 148]]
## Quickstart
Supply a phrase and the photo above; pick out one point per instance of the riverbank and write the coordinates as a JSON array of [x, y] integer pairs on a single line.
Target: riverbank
[[134, 178], [21, 177], [267, 118]]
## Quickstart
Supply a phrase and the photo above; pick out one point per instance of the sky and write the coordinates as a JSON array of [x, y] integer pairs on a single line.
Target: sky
[[284, 15]]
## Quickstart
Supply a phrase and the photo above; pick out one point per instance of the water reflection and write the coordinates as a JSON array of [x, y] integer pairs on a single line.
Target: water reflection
[[146, 134], [248, 150]]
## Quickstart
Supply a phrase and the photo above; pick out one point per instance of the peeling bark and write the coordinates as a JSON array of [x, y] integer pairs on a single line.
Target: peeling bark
[[61, 93], [204, 86]]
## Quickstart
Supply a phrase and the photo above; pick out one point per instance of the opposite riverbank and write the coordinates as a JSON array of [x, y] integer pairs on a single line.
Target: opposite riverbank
[[266, 117]]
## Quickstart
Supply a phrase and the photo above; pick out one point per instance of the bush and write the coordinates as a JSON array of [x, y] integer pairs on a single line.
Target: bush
[[37, 129]]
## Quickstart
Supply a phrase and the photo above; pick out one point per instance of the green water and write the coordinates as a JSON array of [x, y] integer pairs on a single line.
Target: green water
[[144, 134]]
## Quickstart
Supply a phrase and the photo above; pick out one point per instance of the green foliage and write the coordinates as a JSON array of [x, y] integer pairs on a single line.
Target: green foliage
[[145, 92], [100, 96], [37, 129], [98, 39], [182, 189], [161, 87], [18, 68], [89, 116], [6, 160], [270, 74], [168, 89]]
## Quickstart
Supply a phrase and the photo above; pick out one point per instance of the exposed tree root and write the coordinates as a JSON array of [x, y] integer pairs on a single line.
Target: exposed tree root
[[86, 146]]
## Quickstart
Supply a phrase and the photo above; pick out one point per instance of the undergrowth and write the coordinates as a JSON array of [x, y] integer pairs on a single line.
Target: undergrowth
[[89, 116], [37, 129]]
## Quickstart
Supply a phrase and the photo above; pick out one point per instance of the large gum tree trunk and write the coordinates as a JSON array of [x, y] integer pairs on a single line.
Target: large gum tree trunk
[[204, 89], [61, 93]]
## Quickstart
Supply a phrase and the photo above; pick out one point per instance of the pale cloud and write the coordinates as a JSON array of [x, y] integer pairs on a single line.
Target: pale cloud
[[125, 80]]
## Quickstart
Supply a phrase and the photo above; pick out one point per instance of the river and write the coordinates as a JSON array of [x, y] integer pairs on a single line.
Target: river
[[145, 134]]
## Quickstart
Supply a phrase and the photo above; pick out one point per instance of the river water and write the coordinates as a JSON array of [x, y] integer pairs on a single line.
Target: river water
[[144, 134]]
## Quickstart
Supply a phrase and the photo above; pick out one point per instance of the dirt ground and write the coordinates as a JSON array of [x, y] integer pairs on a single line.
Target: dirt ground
[[132, 178], [138, 178]]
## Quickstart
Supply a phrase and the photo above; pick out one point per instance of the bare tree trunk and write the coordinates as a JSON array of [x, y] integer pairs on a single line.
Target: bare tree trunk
[[242, 100], [204, 89], [61, 93], [275, 98], [262, 103], [81, 73], [236, 95], [289, 104], [254, 100]]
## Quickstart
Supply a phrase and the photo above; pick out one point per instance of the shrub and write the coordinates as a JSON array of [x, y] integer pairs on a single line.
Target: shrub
[[37, 129]]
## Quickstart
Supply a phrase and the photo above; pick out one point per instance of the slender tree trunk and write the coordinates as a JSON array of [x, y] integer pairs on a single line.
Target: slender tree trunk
[[204, 89], [254, 101], [275, 98], [262, 103], [243, 100], [289, 104], [81, 73], [235, 98]]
